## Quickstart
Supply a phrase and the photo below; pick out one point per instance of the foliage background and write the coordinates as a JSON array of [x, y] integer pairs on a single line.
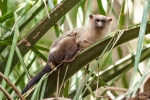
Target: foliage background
[[125, 13]]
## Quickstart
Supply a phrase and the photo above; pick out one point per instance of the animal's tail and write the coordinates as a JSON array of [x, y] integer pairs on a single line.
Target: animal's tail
[[36, 79]]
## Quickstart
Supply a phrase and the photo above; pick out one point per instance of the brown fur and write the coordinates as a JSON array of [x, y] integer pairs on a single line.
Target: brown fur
[[66, 47]]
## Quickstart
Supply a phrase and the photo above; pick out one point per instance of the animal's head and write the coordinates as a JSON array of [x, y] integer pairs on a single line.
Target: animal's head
[[99, 21]]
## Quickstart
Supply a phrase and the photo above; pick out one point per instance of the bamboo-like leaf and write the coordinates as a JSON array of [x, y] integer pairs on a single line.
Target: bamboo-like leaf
[[23, 74], [43, 89], [41, 48], [2, 57], [121, 66], [35, 96], [66, 89], [5, 27], [113, 11], [39, 54], [121, 16], [28, 16], [146, 73], [5, 42], [57, 32], [90, 90], [140, 42], [22, 62], [3, 7], [100, 6], [11, 12], [10, 59]]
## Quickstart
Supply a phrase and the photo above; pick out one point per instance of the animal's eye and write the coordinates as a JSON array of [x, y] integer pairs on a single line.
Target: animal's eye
[[97, 20], [103, 21]]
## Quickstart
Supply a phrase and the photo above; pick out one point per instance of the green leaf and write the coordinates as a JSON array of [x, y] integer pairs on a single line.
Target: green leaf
[[5, 27], [39, 54], [36, 91], [57, 32], [66, 89], [41, 48], [23, 74], [140, 42], [100, 6], [10, 14], [22, 62], [43, 89], [9, 62], [111, 8], [3, 7]]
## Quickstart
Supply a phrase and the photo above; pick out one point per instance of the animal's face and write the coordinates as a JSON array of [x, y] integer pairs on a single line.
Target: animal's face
[[100, 21]]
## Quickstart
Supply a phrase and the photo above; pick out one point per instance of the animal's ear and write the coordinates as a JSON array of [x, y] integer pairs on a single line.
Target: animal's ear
[[91, 16], [109, 19]]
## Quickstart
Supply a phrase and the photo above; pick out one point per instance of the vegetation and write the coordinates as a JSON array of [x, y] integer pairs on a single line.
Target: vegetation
[[28, 27]]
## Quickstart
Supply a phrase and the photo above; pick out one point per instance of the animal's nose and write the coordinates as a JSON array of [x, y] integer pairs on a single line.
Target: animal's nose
[[100, 24]]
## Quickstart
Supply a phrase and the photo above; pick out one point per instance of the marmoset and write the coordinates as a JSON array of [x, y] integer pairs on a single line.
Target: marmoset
[[68, 45]]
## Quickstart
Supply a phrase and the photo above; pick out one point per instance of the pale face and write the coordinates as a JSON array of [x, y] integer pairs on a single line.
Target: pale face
[[100, 21]]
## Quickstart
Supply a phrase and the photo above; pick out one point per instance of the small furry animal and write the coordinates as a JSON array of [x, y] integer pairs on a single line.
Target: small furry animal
[[67, 46]]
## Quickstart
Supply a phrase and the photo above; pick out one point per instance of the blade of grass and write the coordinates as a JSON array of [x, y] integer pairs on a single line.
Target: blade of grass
[[39, 54], [121, 16], [142, 78], [11, 12], [34, 96], [140, 43], [9, 62], [22, 62], [90, 90], [66, 89], [111, 8], [43, 89], [23, 74], [3, 7], [100, 6], [41, 48], [5, 27], [2, 57], [57, 31], [28, 16], [121, 66]]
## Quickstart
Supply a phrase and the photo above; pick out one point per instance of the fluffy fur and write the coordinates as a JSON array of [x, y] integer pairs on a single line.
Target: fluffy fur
[[66, 47]]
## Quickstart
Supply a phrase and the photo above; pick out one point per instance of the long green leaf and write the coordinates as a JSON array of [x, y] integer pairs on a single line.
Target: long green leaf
[[23, 74], [39, 54], [22, 62], [100, 6], [3, 7], [9, 62], [11, 12], [140, 42], [34, 96], [43, 89], [118, 68]]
